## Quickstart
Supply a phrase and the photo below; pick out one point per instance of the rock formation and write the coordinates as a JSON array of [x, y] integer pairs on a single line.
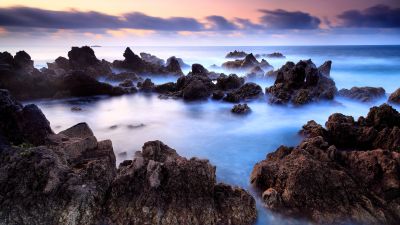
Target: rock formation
[[301, 83], [241, 109], [236, 54], [395, 97], [246, 92], [363, 94], [347, 173], [247, 63]]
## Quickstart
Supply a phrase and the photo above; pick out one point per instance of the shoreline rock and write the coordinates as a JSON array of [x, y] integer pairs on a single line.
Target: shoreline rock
[[363, 94], [395, 97], [331, 179]]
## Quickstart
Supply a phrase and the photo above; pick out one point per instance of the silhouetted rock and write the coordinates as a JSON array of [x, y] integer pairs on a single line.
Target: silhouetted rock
[[180, 61], [246, 92], [146, 86], [325, 69], [166, 88], [363, 94], [123, 76], [158, 182], [271, 55], [240, 109], [301, 83], [236, 54], [317, 181], [83, 58], [152, 59], [198, 69], [174, 67], [395, 97], [218, 95], [126, 83]]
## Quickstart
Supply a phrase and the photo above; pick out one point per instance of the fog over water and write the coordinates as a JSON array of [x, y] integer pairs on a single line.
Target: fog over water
[[207, 129]]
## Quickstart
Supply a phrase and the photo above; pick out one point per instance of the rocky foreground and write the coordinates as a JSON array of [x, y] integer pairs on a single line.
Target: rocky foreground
[[346, 173], [71, 178]]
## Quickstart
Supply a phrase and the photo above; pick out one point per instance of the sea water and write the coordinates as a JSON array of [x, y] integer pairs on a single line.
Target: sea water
[[207, 129]]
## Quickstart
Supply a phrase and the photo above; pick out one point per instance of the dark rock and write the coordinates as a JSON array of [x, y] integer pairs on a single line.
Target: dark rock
[[180, 61], [218, 95], [146, 85], [83, 58], [395, 97], [236, 54], [275, 55], [23, 61], [241, 109], [20, 124], [123, 76], [247, 63], [76, 108], [174, 67], [325, 69], [246, 92], [229, 82], [196, 90], [363, 94], [301, 83], [198, 69], [326, 185], [126, 83], [169, 87], [158, 182], [256, 73]]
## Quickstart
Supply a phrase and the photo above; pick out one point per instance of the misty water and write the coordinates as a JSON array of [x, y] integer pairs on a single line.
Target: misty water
[[207, 129]]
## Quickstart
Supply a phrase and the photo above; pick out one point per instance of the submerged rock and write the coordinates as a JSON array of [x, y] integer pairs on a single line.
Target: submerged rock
[[241, 109], [301, 83], [329, 185], [146, 86], [363, 94], [395, 97]]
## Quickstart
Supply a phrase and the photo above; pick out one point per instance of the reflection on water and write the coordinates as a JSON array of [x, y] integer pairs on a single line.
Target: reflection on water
[[202, 129], [208, 129]]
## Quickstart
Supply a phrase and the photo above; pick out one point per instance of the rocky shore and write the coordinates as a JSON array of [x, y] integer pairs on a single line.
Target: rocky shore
[[71, 178], [346, 173]]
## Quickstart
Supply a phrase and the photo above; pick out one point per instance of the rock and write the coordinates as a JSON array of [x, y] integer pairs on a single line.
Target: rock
[[325, 69], [195, 87], [301, 83], [247, 92], [22, 124], [229, 82], [123, 76], [180, 61], [155, 185], [275, 55], [218, 95], [395, 97], [356, 183], [166, 88], [23, 61], [152, 59], [83, 58], [247, 63], [76, 108], [174, 66], [255, 73], [198, 69], [363, 94], [146, 86], [241, 109], [236, 54]]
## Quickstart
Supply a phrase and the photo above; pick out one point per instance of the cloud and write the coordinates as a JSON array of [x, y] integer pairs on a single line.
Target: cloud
[[282, 19], [379, 16], [220, 23], [40, 18], [246, 24]]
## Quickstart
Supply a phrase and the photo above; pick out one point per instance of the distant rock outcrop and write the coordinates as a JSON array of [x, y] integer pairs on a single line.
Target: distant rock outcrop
[[363, 94], [395, 97], [247, 63], [236, 54]]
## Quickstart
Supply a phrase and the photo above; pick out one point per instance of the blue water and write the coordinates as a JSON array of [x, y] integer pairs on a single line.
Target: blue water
[[208, 129]]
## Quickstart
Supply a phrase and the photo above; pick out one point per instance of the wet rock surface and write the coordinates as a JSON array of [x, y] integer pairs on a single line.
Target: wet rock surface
[[301, 83], [363, 94], [334, 176], [71, 178]]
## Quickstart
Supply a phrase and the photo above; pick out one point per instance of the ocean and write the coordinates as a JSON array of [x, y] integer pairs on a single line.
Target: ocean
[[207, 129]]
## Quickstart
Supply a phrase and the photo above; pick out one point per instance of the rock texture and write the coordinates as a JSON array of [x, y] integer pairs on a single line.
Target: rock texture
[[71, 178], [236, 54], [335, 176], [302, 83], [395, 97], [363, 94], [246, 92], [241, 109], [247, 63]]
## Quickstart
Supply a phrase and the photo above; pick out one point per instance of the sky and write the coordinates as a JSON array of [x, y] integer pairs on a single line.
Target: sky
[[205, 22]]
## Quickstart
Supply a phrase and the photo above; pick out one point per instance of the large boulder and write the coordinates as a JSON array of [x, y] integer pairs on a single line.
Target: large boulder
[[22, 125], [246, 92], [363, 94], [301, 83], [174, 66], [230, 82], [344, 174], [83, 58], [395, 97], [159, 186]]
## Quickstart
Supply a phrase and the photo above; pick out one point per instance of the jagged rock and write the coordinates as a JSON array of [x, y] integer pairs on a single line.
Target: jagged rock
[[198, 69], [23, 61], [123, 76], [301, 83], [395, 97], [326, 185], [325, 69], [275, 55], [147, 85], [83, 58], [218, 95], [165, 88], [152, 59], [246, 92], [126, 83], [236, 54], [241, 109], [174, 66], [229, 82], [248, 62], [153, 187], [180, 61], [363, 94]]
